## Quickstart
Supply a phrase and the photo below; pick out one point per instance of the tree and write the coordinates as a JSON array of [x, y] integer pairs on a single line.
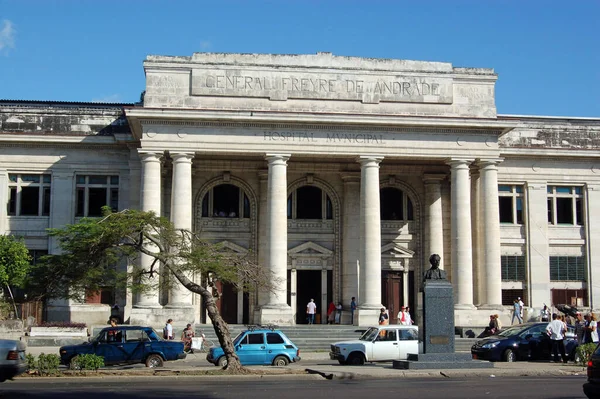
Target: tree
[[92, 247], [14, 263]]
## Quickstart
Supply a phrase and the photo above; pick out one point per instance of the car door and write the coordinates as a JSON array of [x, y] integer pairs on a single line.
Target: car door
[[252, 348], [534, 343], [385, 346], [135, 345], [275, 347], [408, 342], [107, 345]]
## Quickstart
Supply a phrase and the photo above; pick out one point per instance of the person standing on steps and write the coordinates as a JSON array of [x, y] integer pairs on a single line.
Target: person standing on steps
[[352, 310], [331, 313], [311, 310], [516, 312], [168, 330]]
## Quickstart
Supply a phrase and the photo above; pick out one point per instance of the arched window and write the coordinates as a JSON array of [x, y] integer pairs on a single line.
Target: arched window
[[226, 200], [309, 202], [395, 205]]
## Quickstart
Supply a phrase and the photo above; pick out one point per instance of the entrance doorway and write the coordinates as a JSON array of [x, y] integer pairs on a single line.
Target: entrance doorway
[[308, 287], [393, 294]]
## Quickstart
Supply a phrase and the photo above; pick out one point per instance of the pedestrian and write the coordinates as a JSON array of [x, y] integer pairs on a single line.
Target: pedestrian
[[311, 310], [556, 330], [545, 314], [338, 313], [331, 313], [168, 330], [404, 317], [517, 311], [352, 310], [491, 329], [591, 329], [186, 337], [384, 319], [579, 328], [498, 323], [521, 307]]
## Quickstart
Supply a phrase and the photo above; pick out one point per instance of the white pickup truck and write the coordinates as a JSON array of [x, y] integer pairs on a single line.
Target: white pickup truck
[[378, 344]]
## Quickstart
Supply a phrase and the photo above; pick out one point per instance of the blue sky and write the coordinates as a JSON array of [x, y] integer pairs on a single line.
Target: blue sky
[[546, 53]]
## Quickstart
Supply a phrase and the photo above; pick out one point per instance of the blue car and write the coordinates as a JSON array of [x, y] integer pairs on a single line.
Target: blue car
[[259, 346], [126, 345], [527, 341]]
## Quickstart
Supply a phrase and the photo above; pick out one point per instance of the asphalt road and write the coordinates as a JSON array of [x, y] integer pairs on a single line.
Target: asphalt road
[[256, 387]]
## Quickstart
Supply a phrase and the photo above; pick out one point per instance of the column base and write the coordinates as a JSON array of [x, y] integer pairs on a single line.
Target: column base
[[148, 305], [367, 317], [159, 316], [498, 307], [280, 315], [464, 306]]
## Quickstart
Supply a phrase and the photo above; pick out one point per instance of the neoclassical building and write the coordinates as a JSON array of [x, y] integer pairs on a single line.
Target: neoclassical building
[[341, 175]]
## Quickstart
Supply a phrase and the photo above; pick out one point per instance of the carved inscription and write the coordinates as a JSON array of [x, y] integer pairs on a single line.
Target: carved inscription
[[329, 138], [281, 86]]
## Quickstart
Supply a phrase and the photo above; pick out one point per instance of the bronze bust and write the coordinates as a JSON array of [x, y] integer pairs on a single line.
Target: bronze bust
[[434, 272]]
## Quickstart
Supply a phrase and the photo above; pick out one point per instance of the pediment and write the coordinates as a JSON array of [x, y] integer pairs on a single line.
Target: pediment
[[230, 246], [395, 250], [309, 248]]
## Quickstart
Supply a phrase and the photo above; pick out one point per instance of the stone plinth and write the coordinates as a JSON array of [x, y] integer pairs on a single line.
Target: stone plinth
[[438, 317], [159, 316], [279, 316], [366, 317]]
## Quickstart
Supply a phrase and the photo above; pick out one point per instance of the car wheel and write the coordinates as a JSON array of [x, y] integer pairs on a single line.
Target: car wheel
[[154, 361], [74, 363], [280, 361], [356, 359], [222, 362], [509, 356], [342, 362]]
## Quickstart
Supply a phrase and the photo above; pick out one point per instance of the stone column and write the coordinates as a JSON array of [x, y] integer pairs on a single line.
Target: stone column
[[150, 201], [263, 177], [3, 201], [593, 239], [350, 237], [538, 248], [181, 217], [276, 310], [491, 233], [370, 241], [434, 224], [462, 257], [322, 307]]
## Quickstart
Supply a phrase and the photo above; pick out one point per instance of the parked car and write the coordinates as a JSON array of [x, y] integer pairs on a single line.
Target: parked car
[[125, 345], [378, 344], [592, 387], [12, 359], [259, 346], [527, 341]]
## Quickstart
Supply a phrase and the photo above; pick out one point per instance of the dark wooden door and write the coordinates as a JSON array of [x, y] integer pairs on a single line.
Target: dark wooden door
[[392, 293]]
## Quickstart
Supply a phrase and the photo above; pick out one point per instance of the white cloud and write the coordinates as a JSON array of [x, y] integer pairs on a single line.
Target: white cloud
[[112, 98], [7, 35], [205, 45]]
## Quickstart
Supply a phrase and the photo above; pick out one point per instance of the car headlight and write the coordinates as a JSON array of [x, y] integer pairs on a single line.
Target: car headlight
[[490, 345]]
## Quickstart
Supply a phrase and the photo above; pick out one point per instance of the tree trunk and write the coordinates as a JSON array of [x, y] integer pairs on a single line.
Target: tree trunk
[[220, 326]]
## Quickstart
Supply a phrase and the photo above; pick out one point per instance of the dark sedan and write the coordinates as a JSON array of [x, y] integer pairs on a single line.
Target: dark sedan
[[528, 341], [125, 345]]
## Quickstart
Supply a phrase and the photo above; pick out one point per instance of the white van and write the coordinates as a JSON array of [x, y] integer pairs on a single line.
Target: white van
[[378, 344]]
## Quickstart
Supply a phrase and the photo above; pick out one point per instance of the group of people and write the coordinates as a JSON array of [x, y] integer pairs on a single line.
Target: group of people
[[334, 313], [586, 331], [518, 306], [403, 316], [493, 327], [187, 335]]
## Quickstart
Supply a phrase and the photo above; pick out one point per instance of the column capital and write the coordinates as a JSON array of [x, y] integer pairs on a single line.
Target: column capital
[[150, 156], [431, 178], [489, 162], [277, 159], [182, 156], [369, 160], [458, 162]]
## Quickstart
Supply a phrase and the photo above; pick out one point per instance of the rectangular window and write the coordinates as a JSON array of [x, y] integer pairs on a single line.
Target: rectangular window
[[94, 192], [509, 296], [29, 195], [577, 298], [565, 205], [513, 268], [510, 203], [567, 268]]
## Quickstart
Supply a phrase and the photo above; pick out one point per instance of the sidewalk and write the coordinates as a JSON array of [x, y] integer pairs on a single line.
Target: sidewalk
[[196, 364]]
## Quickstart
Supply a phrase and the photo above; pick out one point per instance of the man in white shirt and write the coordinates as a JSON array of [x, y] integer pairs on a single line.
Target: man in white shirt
[[311, 310], [556, 329]]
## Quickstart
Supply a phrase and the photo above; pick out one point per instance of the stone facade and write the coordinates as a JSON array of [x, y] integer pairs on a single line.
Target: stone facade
[[341, 175]]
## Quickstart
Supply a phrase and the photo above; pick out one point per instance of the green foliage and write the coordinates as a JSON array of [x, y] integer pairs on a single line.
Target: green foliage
[[5, 309], [31, 362], [48, 364], [88, 362], [14, 261], [65, 324], [584, 352]]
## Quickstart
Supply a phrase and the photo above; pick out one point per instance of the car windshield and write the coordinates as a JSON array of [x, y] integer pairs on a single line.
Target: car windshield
[[509, 332], [154, 336], [370, 334], [237, 339]]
